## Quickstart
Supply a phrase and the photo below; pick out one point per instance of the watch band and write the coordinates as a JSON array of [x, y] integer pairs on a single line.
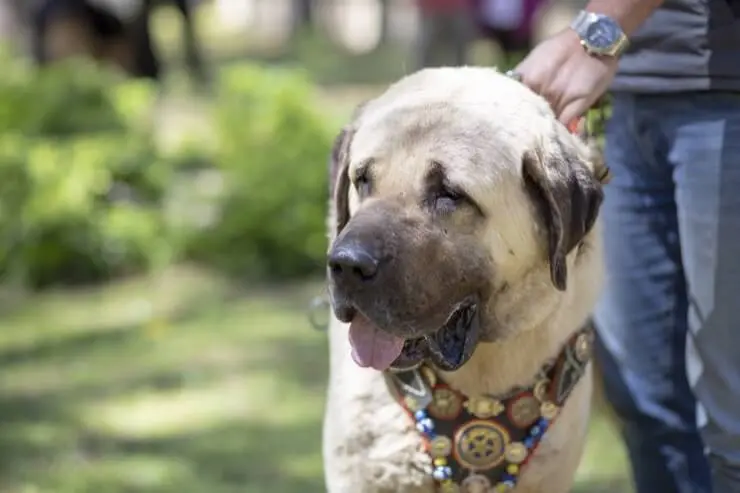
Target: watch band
[[583, 20]]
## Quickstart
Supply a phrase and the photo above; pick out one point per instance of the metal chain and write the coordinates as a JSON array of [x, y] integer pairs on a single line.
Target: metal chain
[[318, 312]]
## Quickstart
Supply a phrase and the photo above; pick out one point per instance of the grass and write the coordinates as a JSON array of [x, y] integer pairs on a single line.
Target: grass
[[182, 382], [179, 383]]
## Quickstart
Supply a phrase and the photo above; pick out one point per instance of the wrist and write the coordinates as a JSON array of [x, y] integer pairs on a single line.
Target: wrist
[[600, 34], [629, 14], [576, 48]]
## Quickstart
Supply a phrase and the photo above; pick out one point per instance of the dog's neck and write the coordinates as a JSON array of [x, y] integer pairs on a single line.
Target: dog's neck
[[497, 367]]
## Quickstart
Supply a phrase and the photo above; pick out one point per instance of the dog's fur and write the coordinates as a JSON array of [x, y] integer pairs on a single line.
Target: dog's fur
[[529, 243]]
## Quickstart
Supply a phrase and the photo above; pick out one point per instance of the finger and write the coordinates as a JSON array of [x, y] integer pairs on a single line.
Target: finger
[[562, 92], [552, 94], [531, 80], [529, 74], [573, 110], [537, 80], [574, 125]]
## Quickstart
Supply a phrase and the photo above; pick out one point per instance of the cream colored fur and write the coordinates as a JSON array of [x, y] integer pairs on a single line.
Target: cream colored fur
[[369, 444]]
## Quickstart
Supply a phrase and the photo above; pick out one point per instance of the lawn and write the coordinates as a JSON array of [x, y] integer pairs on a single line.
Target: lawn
[[183, 382], [179, 383]]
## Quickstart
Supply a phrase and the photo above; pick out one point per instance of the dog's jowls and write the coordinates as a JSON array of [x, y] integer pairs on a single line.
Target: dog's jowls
[[457, 196]]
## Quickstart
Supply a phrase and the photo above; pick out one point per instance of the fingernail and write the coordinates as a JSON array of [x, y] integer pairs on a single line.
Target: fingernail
[[573, 125]]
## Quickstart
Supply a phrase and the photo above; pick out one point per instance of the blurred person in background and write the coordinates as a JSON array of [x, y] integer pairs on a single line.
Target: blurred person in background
[[445, 33], [510, 23], [669, 345], [112, 31]]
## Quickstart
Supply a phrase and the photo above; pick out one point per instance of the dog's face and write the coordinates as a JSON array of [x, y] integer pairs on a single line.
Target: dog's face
[[453, 190]]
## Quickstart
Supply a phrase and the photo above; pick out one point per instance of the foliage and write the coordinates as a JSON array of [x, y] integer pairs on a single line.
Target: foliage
[[87, 194], [82, 186], [63, 100], [273, 147]]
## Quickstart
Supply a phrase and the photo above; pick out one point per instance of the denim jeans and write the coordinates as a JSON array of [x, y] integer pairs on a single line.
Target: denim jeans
[[669, 320]]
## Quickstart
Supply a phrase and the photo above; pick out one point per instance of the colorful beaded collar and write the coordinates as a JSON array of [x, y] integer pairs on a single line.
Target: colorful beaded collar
[[480, 444]]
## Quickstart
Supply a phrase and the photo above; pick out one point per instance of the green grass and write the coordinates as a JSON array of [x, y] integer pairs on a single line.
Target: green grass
[[182, 382], [179, 383]]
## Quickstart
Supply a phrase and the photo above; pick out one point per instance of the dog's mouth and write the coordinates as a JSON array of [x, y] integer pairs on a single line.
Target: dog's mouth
[[448, 348]]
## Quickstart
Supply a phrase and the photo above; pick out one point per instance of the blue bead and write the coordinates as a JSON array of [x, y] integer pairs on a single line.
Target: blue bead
[[529, 442], [510, 484], [508, 478], [425, 425], [535, 431], [420, 414], [442, 472]]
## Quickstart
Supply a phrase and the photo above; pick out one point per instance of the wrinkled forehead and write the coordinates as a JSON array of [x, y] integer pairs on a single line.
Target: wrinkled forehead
[[476, 149]]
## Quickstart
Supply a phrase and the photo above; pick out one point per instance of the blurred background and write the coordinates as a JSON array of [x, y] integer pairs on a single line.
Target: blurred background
[[162, 229]]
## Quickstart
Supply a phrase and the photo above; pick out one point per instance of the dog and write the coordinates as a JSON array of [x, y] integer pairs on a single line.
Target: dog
[[464, 261], [107, 32]]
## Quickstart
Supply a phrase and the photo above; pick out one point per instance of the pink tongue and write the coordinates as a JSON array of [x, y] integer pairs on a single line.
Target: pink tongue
[[372, 347]]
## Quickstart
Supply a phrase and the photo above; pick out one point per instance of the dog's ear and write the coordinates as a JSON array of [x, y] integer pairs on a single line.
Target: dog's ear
[[567, 196], [339, 181]]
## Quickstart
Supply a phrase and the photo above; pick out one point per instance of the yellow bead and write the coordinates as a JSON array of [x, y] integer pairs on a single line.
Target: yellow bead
[[513, 469], [448, 487], [440, 461], [411, 403], [501, 488]]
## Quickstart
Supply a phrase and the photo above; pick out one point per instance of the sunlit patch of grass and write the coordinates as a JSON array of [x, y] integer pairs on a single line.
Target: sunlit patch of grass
[[604, 465], [226, 396]]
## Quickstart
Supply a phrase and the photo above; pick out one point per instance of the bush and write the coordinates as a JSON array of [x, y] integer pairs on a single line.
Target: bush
[[274, 143], [63, 100], [82, 189], [86, 194]]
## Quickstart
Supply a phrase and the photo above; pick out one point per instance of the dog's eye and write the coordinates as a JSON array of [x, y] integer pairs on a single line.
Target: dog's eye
[[447, 201], [363, 184]]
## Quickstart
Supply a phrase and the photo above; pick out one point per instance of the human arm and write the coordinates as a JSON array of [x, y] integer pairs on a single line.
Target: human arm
[[566, 75], [629, 14]]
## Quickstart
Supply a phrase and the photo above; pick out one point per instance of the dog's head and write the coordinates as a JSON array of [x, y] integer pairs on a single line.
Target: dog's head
[[457, 196]]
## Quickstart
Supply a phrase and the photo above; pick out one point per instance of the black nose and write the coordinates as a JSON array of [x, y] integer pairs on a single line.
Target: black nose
[[352, 262]]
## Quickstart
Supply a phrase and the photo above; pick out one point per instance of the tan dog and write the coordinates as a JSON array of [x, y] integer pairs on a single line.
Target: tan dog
[[465, 237]]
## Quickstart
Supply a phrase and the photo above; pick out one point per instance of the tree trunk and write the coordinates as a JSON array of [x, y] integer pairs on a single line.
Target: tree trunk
[[385, 20], [302, 15]]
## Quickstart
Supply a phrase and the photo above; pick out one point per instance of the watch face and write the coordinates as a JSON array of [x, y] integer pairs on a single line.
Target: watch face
[[602, 34]]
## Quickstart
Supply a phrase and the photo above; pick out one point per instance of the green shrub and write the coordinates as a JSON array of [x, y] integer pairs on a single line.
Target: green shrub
[[61, 100], [83, 186], [273, 147], [80, 210], [86, 194]]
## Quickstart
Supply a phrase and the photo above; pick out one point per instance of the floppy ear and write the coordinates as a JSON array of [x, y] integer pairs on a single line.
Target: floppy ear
[[339, 179], [568, 197], [338, 173]]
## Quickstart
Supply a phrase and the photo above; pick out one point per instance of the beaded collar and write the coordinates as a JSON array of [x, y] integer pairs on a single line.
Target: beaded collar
[[480, 444]]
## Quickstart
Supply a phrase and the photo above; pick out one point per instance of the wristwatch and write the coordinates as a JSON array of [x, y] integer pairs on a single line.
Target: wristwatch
[[600, 34]]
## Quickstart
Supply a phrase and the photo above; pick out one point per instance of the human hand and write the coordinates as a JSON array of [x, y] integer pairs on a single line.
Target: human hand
[[562, 72]]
